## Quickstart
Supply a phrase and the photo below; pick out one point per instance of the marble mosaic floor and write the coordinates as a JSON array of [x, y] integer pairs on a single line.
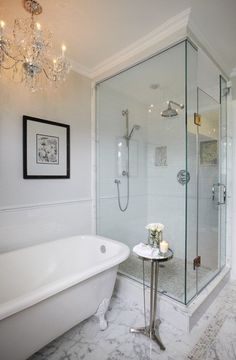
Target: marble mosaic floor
[[171, 276], [213, 338]]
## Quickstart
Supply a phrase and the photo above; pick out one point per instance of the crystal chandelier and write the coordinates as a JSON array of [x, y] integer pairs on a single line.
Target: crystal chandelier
[[26, 54]]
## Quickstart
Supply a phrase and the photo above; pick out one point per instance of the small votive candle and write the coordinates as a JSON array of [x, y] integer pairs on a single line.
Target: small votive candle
[[164, 246]]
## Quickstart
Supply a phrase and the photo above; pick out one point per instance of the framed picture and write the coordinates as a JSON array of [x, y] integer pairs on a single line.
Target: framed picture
[[208, 152], [46, 149]]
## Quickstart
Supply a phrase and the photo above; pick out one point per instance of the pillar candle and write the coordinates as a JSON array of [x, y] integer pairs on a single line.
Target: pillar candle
[[164, 246]]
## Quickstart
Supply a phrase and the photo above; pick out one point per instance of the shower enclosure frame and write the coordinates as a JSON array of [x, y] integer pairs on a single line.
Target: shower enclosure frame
[[187, 41]]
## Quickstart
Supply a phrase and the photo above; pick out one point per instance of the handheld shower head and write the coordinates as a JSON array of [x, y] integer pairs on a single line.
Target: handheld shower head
[[135, 127]]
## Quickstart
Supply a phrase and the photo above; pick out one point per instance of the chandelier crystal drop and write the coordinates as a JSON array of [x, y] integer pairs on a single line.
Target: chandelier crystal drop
[[26, 54]]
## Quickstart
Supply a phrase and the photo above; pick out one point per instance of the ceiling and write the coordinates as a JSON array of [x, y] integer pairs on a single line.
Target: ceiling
[[95, 30], [150, 82], [216, 19]]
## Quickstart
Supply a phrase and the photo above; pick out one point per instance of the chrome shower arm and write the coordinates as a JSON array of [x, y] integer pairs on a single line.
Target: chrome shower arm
[[181, 106]]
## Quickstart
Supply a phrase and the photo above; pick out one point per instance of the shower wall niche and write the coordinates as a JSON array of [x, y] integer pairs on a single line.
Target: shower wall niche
[[155, 164]]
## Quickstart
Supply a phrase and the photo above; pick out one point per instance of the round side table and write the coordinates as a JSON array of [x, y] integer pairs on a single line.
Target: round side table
[[152, 330]]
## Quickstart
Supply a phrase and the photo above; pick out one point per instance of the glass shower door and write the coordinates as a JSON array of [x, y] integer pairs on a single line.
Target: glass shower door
[[211, 191]]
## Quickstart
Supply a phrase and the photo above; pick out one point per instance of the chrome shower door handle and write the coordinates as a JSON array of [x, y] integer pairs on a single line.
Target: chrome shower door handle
[[221, 193], [213, 191]]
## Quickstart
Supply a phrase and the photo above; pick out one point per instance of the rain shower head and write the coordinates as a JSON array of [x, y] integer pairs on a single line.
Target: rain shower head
[[169, 112]]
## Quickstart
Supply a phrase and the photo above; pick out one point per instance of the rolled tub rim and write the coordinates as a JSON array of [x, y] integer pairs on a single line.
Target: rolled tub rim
[[42, 293]]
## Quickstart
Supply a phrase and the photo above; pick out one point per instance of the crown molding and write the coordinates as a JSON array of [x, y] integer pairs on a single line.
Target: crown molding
[[80, 69], [169, 28], [171, 31], [200, 38], [161, 33], [233, 73]]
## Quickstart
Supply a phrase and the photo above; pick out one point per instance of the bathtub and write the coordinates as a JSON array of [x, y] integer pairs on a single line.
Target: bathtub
[[48, 288]]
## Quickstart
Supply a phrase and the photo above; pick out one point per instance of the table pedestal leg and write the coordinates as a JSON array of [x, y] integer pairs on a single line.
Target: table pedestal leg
[[152, 331]]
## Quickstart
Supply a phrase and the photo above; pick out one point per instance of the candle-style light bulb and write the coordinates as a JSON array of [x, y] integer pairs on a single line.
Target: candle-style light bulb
[[2, 25], [63, 49], [54, 64], [38, 26]]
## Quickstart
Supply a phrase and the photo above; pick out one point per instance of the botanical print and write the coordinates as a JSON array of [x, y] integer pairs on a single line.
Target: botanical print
[[208, 152], [47, 148], [161, 156]]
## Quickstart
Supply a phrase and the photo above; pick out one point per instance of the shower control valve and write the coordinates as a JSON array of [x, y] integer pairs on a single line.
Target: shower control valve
[[124, 173]]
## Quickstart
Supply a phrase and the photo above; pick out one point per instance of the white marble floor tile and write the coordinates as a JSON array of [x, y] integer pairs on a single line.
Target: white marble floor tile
[[87, 342], [224, 346]]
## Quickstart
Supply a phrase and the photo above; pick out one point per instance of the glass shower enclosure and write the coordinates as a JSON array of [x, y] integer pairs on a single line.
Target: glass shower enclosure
[[161, 157]]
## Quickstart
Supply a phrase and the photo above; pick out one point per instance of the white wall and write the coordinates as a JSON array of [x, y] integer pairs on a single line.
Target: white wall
[[233, 211], [208, 75], [33, 211]]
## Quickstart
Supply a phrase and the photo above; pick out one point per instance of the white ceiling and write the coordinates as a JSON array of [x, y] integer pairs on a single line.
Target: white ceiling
[[216, 19], [94, 30], [137, 82]]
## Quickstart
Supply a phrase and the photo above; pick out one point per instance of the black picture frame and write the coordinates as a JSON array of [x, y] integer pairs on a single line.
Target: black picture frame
[[37, 164]]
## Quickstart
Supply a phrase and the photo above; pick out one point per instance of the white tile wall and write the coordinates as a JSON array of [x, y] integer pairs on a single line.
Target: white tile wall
[[166, 196], [233, 203], [33, 211], [129, 226]]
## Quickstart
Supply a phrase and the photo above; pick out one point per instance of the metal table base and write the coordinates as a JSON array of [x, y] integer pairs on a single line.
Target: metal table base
[[153, 334], [152, 330]]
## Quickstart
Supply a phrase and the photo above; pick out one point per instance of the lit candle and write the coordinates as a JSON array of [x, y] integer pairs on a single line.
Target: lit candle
[[2, 25], [63, 49], [54, 64], [38, 30], [164, 246]]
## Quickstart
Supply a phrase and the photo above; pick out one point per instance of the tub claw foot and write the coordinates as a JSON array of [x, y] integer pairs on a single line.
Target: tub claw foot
[[101, 313]]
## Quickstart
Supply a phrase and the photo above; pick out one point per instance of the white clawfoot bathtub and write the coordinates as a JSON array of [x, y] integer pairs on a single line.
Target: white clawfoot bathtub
[[47, 289]]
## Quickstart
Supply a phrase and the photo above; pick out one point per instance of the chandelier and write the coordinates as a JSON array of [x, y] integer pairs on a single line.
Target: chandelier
[[25, 55]]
